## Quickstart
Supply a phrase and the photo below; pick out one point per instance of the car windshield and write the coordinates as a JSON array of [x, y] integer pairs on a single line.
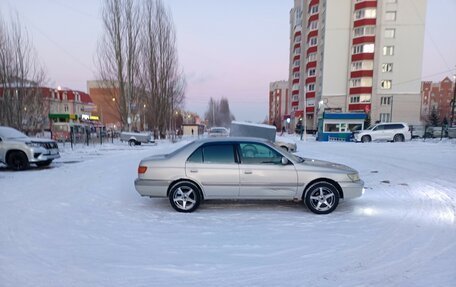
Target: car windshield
[[11, 133], [371, 127]]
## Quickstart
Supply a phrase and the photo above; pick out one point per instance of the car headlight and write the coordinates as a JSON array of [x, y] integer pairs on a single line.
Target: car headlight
[[33, 144], [353, 176]]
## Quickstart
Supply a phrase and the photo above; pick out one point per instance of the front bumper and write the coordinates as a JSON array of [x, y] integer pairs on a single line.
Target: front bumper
[[42, 154], [352, 189]]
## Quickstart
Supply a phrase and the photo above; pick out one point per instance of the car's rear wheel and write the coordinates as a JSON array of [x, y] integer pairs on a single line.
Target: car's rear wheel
[[18, 160], [366, 139], [398, 138], [185, 196], [322, 197], [43, 163]]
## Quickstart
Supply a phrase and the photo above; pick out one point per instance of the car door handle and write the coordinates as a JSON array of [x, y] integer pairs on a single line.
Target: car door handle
[[193, 170], [248, 172]]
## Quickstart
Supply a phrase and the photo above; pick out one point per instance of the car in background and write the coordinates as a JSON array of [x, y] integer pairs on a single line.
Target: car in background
[[218, 132], [18, 151], [394, 132], [286, 145], [244, 168]]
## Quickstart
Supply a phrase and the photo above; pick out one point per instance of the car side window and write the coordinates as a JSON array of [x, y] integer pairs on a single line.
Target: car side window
[[253, 153], [379, 128], [218, 153], [197, 156]]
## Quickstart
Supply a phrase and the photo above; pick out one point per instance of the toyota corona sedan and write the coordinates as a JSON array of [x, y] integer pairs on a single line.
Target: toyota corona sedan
[[244, 168]]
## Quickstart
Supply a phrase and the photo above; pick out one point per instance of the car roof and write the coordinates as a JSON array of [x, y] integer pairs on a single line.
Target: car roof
[[231, 139]]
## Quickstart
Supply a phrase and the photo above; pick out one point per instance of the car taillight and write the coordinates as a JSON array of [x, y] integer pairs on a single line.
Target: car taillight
[[142, 169]]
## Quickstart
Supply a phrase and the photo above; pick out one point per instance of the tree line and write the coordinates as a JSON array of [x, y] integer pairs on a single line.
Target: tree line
[[137, 55]]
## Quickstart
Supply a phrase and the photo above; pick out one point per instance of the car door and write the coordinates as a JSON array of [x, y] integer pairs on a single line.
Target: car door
[[378, 133], [262, 174], [214, 166]]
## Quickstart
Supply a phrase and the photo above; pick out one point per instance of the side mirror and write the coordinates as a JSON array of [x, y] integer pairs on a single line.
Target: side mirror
[[285, 161]]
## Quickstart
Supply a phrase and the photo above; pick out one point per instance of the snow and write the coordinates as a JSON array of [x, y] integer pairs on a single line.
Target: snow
[[80, 222]]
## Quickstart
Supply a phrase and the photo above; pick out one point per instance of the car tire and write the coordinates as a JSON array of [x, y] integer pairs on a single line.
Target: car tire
[[43, 163], [366, 139], [185, 196], [18, 160], [322, 197], [131, 142], [398, 138]]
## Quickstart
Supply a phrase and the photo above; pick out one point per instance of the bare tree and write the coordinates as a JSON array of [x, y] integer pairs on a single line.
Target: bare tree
[[163, 82], [118, 55], [218, 113], [23, 105], [141, 33]]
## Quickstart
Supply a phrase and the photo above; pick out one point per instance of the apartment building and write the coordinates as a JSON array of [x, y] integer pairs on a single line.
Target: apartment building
[[356, 55], [437, 97], [278, 103]]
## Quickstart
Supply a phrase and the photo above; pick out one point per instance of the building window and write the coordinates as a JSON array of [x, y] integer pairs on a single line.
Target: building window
[[363, 31], [296, 63], [390, 16], [369, 13], [297, 51], [386, 84], [385, 101], [312, 57], [354, 99], [310, 87], [313, 25], [311, 72], [388, 50], [65, 108], [390, 33], [298, 39], [295, 87], [385, 117], [356, 66], [313, 41], [387, 67], [365, 48], [296, 75], [313, 9], [355, 83]]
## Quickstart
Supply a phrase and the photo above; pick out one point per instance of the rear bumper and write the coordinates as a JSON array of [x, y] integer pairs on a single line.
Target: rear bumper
[[151, 188], [352, 189]]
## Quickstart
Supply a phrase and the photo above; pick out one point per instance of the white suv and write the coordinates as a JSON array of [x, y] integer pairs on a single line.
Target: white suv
[[17, 150], [396, 132]]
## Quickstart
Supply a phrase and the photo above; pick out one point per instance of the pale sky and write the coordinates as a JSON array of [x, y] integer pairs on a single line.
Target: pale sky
[[230, 48]]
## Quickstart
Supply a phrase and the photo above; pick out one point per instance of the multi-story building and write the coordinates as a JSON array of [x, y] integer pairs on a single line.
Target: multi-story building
[[278, 103], [66, 105], [105, 95], [437, 97], [356, 55]]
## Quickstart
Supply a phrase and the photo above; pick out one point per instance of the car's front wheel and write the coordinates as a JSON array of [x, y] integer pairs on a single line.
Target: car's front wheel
[[18, 160], [322, 198], [185, 196], [366, 139]]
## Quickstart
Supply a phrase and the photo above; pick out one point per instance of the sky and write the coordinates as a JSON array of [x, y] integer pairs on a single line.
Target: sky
[[230, 49]]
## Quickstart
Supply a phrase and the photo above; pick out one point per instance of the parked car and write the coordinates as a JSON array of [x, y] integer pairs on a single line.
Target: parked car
[[395, 132], [417, 131], [18, 151], [286, 145], [244, 168], [218, 132], [451, 132], [136, 138]]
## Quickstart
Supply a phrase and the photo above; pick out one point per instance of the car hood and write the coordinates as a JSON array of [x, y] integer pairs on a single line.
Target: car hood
[[39, 140], [326, 164]]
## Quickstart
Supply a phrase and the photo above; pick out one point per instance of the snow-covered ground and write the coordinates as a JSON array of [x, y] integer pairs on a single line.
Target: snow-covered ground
[[81, 223]]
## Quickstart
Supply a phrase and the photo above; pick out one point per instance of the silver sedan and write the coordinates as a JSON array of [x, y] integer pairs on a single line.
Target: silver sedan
[[244, 168]]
